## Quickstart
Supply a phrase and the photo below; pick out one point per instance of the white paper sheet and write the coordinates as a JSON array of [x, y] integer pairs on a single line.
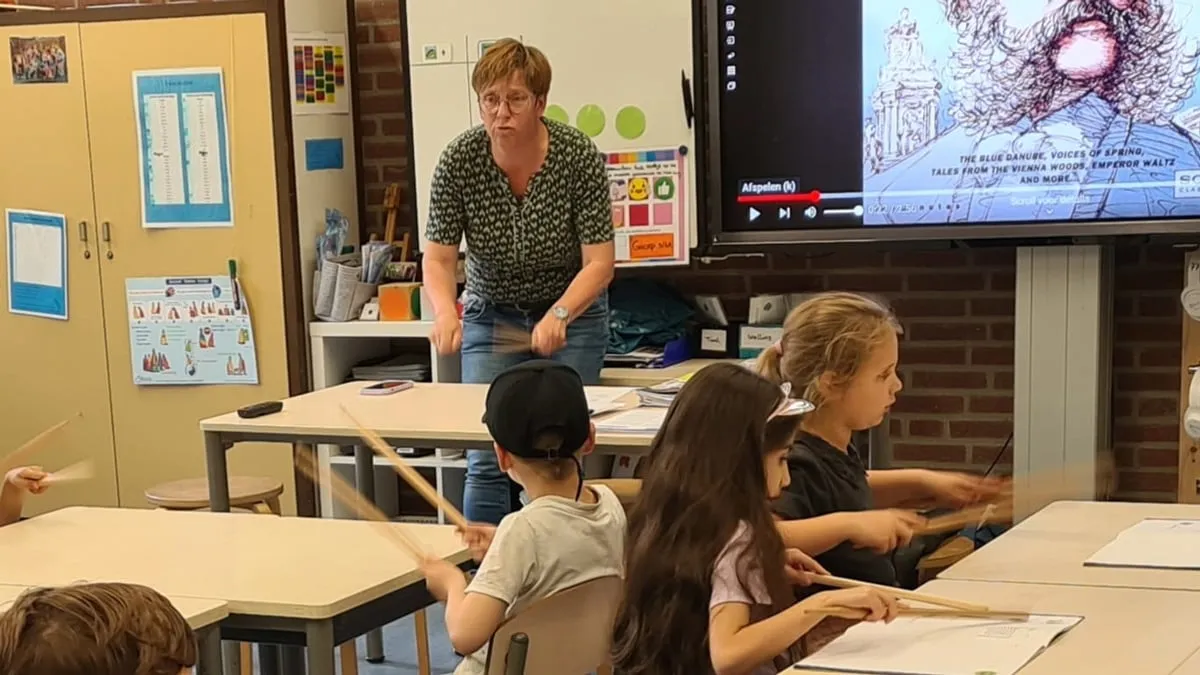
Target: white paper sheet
[[636, 420], [1154, 543], [940, 646]]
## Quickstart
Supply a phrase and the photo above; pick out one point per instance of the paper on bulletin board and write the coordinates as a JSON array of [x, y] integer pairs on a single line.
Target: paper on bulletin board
[[324, 154], [649, 206], [184, 149], [189, 330], [319, 73], [37, 263]]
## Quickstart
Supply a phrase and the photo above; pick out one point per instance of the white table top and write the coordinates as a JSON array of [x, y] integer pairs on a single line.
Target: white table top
[[1050, 546], [336, 564], [447, 413], [645, 377], [1124, 630], [199, 612]]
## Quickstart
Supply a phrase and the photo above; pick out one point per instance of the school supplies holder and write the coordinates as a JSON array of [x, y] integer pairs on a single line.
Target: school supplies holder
[[340, 292]]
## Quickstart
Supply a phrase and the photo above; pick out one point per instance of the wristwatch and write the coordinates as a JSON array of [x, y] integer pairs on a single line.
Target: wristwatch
[[561, 313]]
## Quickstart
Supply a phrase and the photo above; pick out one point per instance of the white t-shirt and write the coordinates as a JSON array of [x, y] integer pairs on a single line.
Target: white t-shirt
[[548, 546]]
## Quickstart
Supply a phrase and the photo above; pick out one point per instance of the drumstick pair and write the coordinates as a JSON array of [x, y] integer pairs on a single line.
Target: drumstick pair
[[78, 471]]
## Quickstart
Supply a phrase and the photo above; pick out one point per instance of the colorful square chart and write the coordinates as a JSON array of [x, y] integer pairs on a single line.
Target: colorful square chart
[[618, 216], [639, 215], [664, 213]]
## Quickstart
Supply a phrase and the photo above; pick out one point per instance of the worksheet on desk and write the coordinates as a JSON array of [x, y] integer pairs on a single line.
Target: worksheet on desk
[[940, 646], [1154, 543]]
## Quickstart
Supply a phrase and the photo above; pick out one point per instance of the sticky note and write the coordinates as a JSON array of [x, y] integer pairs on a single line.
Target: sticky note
[[323, 154]]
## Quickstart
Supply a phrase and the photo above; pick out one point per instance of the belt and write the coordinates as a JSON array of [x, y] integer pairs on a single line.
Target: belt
[[539, 307]]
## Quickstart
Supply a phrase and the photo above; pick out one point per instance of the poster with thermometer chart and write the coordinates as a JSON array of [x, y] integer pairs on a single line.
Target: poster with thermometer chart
[[190, 330], [649, 206], [319, 74]]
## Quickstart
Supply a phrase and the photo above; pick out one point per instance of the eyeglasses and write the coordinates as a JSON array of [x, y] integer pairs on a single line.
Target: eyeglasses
[[517, 103], [788, 406]]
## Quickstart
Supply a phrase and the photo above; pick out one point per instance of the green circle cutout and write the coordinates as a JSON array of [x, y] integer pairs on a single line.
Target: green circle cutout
[[558, 114], [590, 120], [631, 122]]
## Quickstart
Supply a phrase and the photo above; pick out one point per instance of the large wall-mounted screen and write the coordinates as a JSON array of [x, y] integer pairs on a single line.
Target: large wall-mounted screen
[[897, 119]]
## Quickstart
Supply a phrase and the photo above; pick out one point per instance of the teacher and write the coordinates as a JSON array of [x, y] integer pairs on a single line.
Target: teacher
[[531, 197]]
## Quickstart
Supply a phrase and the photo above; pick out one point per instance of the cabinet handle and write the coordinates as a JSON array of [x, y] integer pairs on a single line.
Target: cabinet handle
[[83, 237], [106, 237]]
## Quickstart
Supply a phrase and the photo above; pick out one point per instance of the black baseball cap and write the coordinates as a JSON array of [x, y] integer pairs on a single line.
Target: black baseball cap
[[538, 410]]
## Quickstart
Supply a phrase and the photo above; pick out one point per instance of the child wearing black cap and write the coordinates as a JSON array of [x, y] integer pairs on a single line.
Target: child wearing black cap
[[541, 427]]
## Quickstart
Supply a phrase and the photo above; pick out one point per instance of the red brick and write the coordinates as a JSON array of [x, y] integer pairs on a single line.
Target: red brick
[[895, 427], [949, 380], [1122, 406], [947, 281], [372, 104], [1006, 257], [1163, 255], [991, 404], [873, 283], [1145, 433], [394, 126], [979, 429], [949, 332], [710, 284], [1146, 331], [373, 149], [926, 428], [786, 283], [1158, 457], [387, 33], [848, 260], [389, 82], [1005, 307], [1002, 381], [984, 455], [1161, 357], [1148, 279], [790, 262], [1166, 306], [1003, 331], [1146, 481], [362, 33], [1123, 307], [375, 11], [379, 56], [1147, 382], [991, 356], [928, 452], [932, 356], [1158, 407], [1122, 357], [926, 259], [929, 307], [928, 404], [758, 262], [1003, 281]]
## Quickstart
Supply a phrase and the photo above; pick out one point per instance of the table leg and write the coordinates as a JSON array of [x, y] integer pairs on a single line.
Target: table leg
[[231, 657], [319, 648], [364, 479], [292, 659], [210, 651], [218, 472]]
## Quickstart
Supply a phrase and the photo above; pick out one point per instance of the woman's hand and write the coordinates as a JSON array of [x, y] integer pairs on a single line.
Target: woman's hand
[[799, 566], [549, 335], [446, 335], [27, 478]]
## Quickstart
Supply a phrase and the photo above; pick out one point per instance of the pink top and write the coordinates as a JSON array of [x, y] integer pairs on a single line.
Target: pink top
[[727, 587]]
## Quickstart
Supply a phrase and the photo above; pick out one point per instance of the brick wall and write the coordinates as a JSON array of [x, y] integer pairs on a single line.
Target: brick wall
[[957, 308]]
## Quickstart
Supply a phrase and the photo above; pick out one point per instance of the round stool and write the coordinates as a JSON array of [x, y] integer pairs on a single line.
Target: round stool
[[260, 495]]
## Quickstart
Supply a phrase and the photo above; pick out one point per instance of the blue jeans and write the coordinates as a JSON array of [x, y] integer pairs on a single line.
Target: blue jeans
[[488, 494]]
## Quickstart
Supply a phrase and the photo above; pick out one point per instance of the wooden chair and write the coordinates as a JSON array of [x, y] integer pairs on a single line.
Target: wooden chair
[[247, 494], [626, 489], [568, 633]]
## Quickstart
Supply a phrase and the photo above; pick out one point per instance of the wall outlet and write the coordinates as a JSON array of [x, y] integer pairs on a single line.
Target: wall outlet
[[441, 52]]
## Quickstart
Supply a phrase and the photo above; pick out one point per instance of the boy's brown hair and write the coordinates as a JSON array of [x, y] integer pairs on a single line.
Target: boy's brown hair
[[509, 56], [95, 629]]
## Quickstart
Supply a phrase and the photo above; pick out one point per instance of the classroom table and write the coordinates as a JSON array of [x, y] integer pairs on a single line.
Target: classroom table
[[204, 615], [645, 377], [1050, 547], [1123, 630], [340, 579], [428, 415]]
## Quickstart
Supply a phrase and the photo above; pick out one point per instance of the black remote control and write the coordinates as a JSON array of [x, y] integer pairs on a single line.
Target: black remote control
[[260, 409]]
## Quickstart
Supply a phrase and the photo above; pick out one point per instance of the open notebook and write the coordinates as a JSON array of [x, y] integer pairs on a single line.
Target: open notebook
[[939, 646], [1154, 543]]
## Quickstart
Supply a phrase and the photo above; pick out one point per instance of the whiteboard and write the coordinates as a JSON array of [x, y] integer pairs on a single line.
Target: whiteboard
[[629, 54]]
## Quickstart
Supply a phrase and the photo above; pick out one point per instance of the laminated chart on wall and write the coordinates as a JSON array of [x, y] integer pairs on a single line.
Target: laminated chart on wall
[[319, 74], [189, 330], [649, 206], [37, 263], [184, 148]]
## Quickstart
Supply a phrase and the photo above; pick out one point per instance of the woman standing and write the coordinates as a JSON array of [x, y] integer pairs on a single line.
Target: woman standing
[[531, 197]]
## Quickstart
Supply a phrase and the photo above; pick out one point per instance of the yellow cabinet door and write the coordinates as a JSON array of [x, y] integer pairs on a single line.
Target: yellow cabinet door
[[53, 369], [156, 427]]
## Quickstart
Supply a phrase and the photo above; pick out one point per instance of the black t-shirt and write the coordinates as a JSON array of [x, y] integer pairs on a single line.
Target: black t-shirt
[[826, 480]]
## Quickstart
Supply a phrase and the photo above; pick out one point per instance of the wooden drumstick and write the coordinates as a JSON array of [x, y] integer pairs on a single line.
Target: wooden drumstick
[[78, 471], [838, 582], [16, 457], [409, 474]]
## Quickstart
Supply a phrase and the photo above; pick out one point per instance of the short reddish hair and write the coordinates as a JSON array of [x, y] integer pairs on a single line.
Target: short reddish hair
[[509, 56]]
